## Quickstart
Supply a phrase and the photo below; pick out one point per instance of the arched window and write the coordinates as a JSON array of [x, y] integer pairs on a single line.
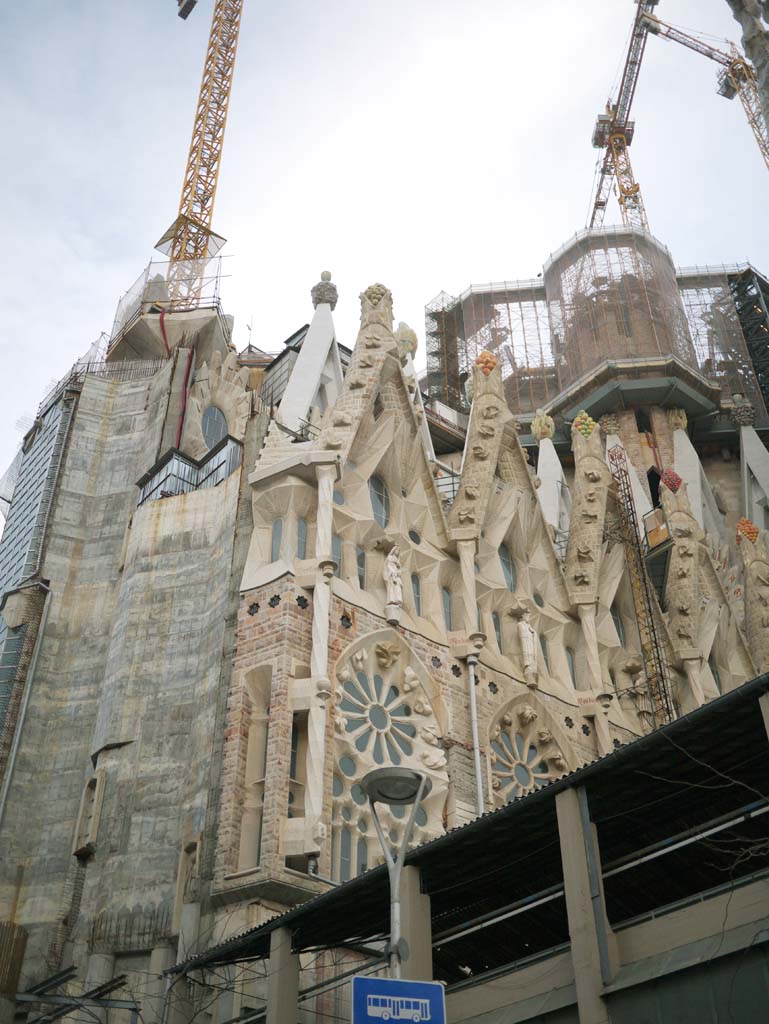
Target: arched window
[[360, 557], [345, 852], [362, 859], [301, 538], [619, 625], [214, 426], [277, 536], [545, 653], [446, 599], [572, 665], [508, 567], [497, 630], [416, 589], [380, 500], [539, 600], [336, 553]]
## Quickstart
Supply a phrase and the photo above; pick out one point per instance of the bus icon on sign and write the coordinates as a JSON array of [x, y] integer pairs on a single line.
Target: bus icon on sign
[[397, 1001], [398, 1008]]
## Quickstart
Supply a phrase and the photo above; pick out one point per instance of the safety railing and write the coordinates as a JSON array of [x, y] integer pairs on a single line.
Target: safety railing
[[178, 474]]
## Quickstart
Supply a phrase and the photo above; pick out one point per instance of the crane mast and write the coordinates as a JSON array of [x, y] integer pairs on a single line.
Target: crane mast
[[190, 241], [736, 78], [613, 133]]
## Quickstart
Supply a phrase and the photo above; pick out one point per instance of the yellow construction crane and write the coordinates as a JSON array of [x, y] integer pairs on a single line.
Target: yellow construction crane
[[736, 77], [614, 131], [190, 241]]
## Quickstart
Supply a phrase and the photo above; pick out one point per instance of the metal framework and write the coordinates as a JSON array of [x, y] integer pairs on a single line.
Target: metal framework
[[190, 237], [736, 78], [750, 293], [655, 662], [614, 131]]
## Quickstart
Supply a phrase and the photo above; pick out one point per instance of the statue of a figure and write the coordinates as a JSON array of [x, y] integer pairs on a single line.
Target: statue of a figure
[[394, 585], [528, 638]]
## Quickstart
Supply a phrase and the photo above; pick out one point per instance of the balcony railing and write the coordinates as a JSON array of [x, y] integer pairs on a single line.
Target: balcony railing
[[176, 473]]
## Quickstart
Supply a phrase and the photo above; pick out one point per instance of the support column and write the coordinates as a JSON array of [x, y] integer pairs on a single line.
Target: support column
[[593, 947], [153, 1000], [466, 551], [694, 695], [188, 931], [101, 968], [283, 980], [321, 607], [416, 927], [586, 614]]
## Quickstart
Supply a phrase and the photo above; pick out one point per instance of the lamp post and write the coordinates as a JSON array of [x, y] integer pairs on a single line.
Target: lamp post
[[397, 787]]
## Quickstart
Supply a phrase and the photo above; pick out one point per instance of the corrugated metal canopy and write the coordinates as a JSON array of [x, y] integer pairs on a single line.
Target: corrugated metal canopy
[[647, 794]]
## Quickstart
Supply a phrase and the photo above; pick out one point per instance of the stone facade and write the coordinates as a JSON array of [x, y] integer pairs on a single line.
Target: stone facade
[[217, 666]]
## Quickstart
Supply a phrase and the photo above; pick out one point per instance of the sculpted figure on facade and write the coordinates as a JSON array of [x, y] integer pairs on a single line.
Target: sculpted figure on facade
[[528, 642], [591, 482], [754, 551]]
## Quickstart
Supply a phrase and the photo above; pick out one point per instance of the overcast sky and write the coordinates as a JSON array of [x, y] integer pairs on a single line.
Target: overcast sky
[[425, 144]]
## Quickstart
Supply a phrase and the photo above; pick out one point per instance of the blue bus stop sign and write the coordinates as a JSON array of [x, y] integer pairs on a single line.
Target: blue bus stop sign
[[389, 999]]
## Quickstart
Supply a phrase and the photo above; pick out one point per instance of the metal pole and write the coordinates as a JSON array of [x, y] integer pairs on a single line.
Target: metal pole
[[394, 866], [472, 661]]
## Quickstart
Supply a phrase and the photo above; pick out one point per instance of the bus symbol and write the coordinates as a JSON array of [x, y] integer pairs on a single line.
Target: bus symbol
[[398, 1008]]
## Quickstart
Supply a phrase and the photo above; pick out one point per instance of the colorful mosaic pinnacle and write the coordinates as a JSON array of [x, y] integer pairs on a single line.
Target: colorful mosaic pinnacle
[[584, 424], [746, 529], [486, 363], [671, 480]]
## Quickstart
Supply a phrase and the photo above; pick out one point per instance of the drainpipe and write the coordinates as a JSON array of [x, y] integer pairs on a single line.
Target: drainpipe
[[25, 701], [477, 640]]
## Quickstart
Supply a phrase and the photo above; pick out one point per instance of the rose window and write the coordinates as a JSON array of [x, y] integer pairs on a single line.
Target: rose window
[[377, 719], [518, 766]]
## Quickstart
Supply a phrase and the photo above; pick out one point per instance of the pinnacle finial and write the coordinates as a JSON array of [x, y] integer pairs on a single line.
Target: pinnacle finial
[[324, 291]]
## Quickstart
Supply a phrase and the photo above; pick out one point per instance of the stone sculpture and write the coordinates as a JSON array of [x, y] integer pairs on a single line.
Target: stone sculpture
[[394, 584]]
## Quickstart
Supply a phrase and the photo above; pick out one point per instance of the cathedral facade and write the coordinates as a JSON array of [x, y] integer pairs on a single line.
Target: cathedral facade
[[234, 584]]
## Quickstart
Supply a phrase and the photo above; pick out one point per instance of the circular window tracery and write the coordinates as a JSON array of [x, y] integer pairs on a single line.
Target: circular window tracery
[[518, 766], [377, 718]]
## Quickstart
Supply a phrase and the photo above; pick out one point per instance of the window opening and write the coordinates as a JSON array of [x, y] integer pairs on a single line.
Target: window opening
[[446, 599], [301, 538], [336, 553], [361, 560], [416, 588], [214, 426], [277, 536], [572, 665], [508, 567], [619, 625], [380, 500], [497, 630]]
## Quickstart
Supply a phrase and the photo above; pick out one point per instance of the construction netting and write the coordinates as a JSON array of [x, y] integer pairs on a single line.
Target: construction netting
[[175, 287], [609, 294]]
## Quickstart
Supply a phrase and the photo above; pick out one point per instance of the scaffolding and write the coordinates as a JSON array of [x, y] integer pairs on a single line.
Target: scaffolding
[[608, 294], [644, 601]]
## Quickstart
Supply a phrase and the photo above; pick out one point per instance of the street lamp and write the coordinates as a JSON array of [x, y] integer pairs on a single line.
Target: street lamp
[[398, 787]]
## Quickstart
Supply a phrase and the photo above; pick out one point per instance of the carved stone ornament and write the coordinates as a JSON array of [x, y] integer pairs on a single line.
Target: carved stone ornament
[[410, 680], [677, 419], [392, 577], [490, 412], [324, 291], [743, 413], [480, 452], [486, 363], [609, 424], [527, 714], [407, 341], [386, 654], [542, 425]]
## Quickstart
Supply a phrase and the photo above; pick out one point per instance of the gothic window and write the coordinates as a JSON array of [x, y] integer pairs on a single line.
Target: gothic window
[[277, 536], [377, 719], [214, 426], [336, 553], [518, 766], [524, 755], [545, 652], [301, 538], [497, 630], [446, 600], [382, 717], [572, 665], [380, 500], [361, 561], [508, 567], [416, 589], [619, 625]]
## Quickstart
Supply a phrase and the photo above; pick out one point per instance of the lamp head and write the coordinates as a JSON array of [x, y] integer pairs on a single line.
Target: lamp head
[[394, 786]]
